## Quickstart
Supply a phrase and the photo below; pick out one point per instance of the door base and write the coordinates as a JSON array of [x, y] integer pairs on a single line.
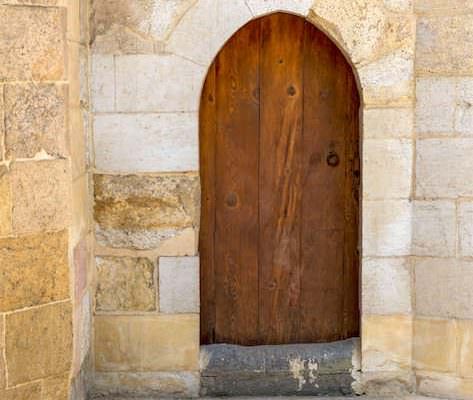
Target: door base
[[321, 369]]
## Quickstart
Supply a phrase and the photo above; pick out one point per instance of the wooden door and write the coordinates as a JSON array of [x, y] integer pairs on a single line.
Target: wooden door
[[280, 178]]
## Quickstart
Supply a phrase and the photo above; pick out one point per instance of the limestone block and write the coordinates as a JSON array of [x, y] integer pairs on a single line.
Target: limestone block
[[465, 347], [444, 385], [33, 2], [259, 8], [26, 258], [179, 285], [158, 82], [144, 211], [102, 87], [205, 28], [147, 343], [55, 388], [3, 376], [387, 343], [125, 284], [444, 168], [387, 168], [464, 107], [385, 123], [435, 344], [26, 55], [5, 202], [443, 7], [386, 286], [434, 228], [183, 244], [465, 229], [80, 208], [80, 259], [31, 391], [2, 124], [35, 120], [387, 228], [41, 195], [44, 348], [82, 331], [445, 44], [399, 5], [129, 143]]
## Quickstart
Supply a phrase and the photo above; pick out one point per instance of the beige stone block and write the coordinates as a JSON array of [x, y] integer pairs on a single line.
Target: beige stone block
[[184, 243], [35, 120], [5, 202], [385, 123], [435, 347], [34, 270], [82, 331], [3, 371], [387, 168], [143, 211], [386, 286], [103, 83], [444, 168], [464, 107], [43, 349], [443, 7], [444, 385], [387, 343], [125, 284], [30, 391], [2, 124], [73, 20], [41, 195], [81, 208], [465, 347], [465, 229], [445, 45], [55, 388], [434, 228], [145, 343], [399, 5], [26, 55], [78, 142], [260, 8], [34, 2]]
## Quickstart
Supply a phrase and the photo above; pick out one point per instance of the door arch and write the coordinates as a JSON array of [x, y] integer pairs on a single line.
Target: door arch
[[280, 173]]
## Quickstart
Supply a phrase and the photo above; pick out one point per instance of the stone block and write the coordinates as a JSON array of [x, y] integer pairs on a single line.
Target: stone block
[[80, 207], [435, 345], [464, 107], [443, 7], [465, 229], [129, 143], [125, 284], [385, 123], [444, 385], [465, 348], [82, 332], [259, 8], [386, 286], [399, 5], [387, 168], [35, 120], [2, 124], [31, 391], [146, 343], [80, 257], [5, 202], [387, 343], [387, 228], [55, 388], [144, 211], [26, 55], [3, 371], [434, 228], [43, 349], [26, 258], [179, 285], [444, 168], [445, 44], [177, 83], [102, 90]]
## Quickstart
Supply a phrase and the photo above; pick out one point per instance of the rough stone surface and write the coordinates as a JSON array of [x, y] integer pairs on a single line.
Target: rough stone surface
[[465, 347], [465, 229], [26, 55], [31, 391], [179, 284], [5, 202], [125, 284], [24, 260], [102, 90], [41, 195], [35, 120], [146, 343], [81, 258], [44, 348], [55, 388], [142, 211], [388, 123], [300, 7], [444, 385], [2, 124], [3, 376], [443, 7], [82, 332]]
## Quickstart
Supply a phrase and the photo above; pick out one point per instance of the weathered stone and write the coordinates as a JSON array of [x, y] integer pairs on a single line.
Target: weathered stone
[[435, 347], [125, 284], [178, 284], [41, 195], [23, 260], [5, 202], [2, 123], [387, 168], [42, 349], [80, 208], [135, 74], [3, 371], [465, 229], [25, 54], [259, 8], [434, 228], [464, 109], [55, 388], [82, 332], [128, 143], [444, 385], [103, 83], [31, 391], [35, 120], [386, 286], [388, 123], [184, 243], [80, 256], [142, 211], [465, 347], [399, 5], [147, 343], [443, 7]]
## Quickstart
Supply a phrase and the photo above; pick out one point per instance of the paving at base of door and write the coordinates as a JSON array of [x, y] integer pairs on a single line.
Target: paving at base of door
[[411, 397]]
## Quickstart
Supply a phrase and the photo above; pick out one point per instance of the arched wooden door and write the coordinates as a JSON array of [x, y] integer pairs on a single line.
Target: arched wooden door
[[280, 186]]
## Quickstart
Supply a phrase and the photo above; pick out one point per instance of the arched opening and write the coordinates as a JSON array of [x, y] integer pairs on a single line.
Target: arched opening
[[280, 174]]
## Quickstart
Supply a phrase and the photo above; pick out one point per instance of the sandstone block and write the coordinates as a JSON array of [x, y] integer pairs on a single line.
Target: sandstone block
[[465, 347], [2, 118], [3, 376], [443, 7], [102, 89], [82, 332], [179, 284], [5, 202], [386, 286], [465, 229], [23, 260], [44, 348], [464, 107], [179, 82], [26, 55], [125, 284], [399, 5], [434, 228], [144, 211], [146, 142], [259, 8], [31, 391], [55, 388], [35, 120], [435, 347], [80, 208], [388, 123], [146, 344], [81, 257], [444, 385]]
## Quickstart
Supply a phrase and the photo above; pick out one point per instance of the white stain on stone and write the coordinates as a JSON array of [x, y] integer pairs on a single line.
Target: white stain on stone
[[304, 371]]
